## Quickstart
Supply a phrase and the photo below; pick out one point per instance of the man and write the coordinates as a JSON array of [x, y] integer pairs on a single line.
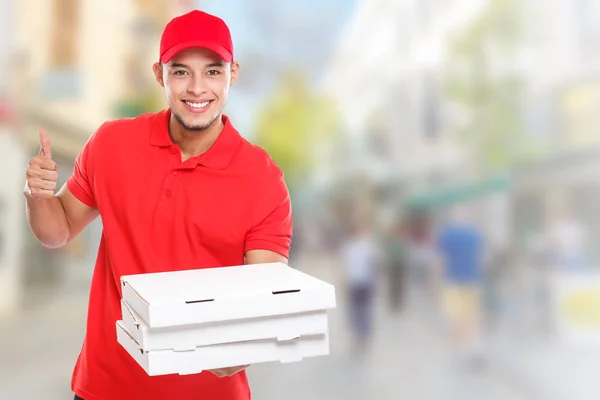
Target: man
[[396, 259], [179, 189], [461, 248], [361, 257]]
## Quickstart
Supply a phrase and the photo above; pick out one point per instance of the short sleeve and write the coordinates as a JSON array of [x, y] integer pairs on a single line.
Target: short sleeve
[[273, 232], [80, 182]]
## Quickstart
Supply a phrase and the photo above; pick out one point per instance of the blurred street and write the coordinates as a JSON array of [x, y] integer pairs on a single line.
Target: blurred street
[[443, 164]]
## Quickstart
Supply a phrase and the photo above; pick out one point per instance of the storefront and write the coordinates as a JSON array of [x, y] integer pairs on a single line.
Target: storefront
[[577, 309], [12, 220]]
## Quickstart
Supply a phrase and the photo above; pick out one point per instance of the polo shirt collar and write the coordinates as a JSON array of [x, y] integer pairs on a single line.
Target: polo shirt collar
[[218, 156]]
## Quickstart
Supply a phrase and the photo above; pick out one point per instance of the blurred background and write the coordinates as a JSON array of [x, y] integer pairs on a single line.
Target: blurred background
[[443, 158]]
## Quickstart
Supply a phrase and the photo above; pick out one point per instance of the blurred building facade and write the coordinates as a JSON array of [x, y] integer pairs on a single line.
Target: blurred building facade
[[386, 80], [561, 63], [14, 158], [76, 64]]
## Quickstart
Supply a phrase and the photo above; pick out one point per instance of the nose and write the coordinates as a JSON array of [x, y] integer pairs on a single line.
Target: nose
[[196, 85]]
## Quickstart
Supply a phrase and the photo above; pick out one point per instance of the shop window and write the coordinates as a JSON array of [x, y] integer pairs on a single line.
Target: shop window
[[63, 79]]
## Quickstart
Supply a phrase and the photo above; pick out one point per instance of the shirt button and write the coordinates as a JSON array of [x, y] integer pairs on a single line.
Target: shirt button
[[174, 172], [173, 150], [167, 193]]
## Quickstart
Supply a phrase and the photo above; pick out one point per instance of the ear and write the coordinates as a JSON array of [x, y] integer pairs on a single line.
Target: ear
[[157, 68], [235, 70]]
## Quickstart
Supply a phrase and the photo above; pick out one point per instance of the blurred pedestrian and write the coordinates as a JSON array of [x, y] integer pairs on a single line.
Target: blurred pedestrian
[[567, 241], [360, 257], [460, 245], [396, 259]]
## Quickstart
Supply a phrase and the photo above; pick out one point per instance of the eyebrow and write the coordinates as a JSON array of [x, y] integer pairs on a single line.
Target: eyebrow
[[178, 65], [211, 65]]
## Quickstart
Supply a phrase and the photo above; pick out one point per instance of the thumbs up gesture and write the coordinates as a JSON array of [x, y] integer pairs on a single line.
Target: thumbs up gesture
[[42, 173]]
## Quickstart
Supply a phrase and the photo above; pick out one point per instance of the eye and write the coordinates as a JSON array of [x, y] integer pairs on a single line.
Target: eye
[[213, 72], [180, 72]]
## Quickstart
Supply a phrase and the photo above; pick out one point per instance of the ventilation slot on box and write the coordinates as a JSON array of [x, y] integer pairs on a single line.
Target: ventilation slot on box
[[198, 301], [286, 291]]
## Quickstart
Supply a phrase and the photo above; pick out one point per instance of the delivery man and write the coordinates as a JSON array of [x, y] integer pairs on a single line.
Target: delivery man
[[179, 189]]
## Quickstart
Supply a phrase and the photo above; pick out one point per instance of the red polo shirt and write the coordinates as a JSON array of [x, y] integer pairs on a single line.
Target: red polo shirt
[[161, 214]]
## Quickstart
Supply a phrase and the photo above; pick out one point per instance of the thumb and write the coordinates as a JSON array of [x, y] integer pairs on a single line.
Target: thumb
[[45, 144]]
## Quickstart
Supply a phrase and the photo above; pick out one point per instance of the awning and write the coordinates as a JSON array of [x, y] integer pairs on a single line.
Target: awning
[[455, 194]]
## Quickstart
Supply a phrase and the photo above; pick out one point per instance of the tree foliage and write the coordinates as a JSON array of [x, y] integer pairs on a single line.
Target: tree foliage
[[293, 126], [484, 79]]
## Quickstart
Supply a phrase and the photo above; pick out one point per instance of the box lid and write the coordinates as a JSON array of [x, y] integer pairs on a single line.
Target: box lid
[[163, 362], [188, 337], [217, 294]]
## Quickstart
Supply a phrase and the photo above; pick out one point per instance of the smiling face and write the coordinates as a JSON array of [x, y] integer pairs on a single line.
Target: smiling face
[[196, 83]]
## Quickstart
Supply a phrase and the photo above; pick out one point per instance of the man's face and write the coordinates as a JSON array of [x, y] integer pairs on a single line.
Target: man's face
[[196, 83]]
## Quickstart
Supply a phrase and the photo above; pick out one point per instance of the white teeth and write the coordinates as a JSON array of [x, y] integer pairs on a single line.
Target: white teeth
[[197, 105]]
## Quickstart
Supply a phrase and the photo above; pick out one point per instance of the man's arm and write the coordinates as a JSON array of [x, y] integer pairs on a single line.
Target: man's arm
[[269, 240], [53, 219], [264, 257], [58, 219]]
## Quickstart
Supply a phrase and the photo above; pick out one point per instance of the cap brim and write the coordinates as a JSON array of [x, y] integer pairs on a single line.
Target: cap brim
[[217, 48]]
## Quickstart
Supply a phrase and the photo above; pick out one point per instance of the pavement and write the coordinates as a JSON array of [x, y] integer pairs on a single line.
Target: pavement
[[550, 368], [409, 358]]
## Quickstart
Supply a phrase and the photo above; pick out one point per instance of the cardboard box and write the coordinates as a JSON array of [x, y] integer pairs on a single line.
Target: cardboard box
[[189, 337], [164, 362], [180, 298]]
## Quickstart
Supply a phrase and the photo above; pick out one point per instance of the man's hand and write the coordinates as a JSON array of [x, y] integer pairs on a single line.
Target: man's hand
[[42, 173], [224, 372]]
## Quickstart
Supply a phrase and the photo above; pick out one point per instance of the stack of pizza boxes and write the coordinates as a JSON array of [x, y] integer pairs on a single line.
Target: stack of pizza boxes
[[185, 322]]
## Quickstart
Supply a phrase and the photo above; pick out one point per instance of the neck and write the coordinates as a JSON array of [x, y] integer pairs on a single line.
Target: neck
[[193, 143]]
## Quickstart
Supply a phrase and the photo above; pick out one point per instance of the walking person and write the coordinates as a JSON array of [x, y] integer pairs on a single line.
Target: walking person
[[396, 261], [460, 245], [360, 258]]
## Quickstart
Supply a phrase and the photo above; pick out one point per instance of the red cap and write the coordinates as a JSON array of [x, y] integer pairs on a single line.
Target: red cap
[[196, 29]]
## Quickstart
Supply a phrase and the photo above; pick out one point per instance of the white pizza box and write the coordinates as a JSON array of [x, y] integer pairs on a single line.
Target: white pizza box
[[225, 293], [188, 337], [165, 362]]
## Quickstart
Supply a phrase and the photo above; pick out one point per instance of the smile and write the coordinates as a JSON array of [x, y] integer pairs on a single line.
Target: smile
[[197, 105]]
